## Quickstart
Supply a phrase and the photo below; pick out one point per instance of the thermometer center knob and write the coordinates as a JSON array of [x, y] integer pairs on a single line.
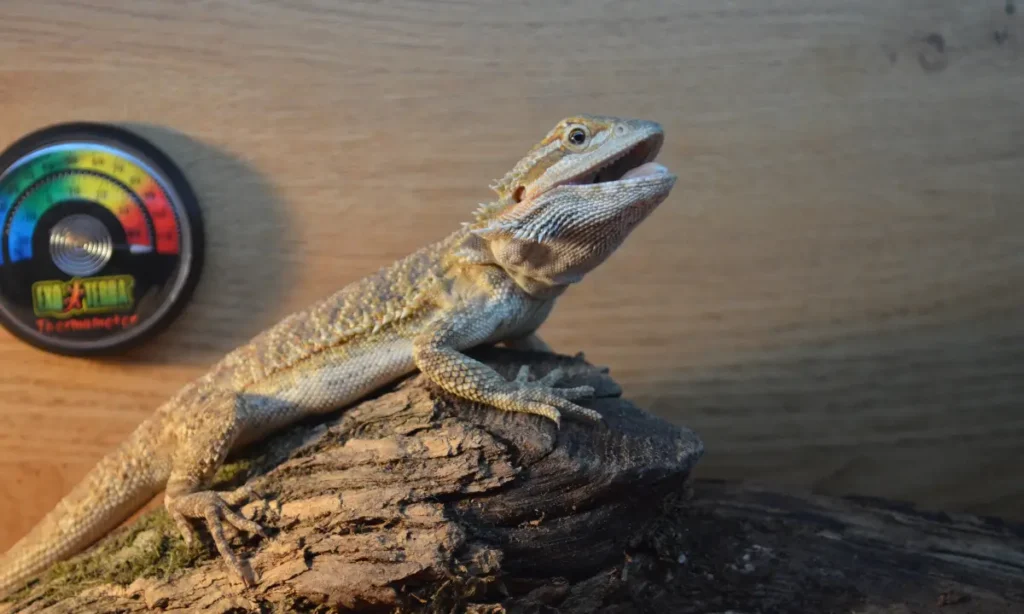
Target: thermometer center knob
[[80, 245]]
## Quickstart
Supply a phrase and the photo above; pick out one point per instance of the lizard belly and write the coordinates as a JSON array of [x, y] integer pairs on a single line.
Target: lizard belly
[[325, 383]]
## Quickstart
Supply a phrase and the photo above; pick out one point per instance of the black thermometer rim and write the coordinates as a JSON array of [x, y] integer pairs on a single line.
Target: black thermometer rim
[[179, 196]]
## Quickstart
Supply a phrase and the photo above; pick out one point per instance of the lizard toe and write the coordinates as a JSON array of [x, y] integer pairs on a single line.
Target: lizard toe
[[585, 413], [241, 523], [188, 534], [551, 403], [578, 393], [542, 409], [524, 375], [567, 407], [553, 378], [238, 496], [213, 510]]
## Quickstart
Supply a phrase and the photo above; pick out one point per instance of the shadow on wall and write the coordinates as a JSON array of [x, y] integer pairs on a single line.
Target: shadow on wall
[[245, 230]]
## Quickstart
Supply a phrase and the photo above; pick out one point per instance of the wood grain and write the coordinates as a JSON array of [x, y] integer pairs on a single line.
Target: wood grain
[[832, 297]]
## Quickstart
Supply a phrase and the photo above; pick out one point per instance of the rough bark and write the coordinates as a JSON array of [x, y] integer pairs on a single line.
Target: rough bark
[[409, 498], [413, 501]]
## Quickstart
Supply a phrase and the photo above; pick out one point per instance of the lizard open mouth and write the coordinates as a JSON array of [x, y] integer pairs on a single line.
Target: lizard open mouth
[[631, 163], [634, 163]]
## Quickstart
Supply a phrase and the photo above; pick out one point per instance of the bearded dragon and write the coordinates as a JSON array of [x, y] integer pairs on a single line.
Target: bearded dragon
[[560, 212]]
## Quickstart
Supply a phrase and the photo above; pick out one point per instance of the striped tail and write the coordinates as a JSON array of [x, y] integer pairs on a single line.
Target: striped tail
[[116, 487]]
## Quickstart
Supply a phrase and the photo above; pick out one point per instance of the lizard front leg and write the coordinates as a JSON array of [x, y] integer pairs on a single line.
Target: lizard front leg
[[204, 438], [436, 355]]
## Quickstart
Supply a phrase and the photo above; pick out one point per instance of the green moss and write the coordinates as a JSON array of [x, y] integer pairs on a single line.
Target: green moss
[[232, 475], [150, 547]]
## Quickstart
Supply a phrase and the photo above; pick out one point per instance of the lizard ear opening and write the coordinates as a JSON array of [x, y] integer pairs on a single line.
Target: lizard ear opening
[[517, 195], [510, 221]]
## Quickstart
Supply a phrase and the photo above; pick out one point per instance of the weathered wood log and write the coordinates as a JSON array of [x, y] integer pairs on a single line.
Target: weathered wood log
[[413, 501], [410, 497]]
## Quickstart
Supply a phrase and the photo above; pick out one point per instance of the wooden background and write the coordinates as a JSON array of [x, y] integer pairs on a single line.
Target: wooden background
[[832, 296]]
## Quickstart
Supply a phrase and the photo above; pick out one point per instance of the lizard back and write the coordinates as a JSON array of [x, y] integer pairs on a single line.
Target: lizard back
[[386, 298]]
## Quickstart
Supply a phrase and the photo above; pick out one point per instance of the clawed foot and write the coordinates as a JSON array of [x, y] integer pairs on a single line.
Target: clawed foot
[[542, 398], [214, 508]]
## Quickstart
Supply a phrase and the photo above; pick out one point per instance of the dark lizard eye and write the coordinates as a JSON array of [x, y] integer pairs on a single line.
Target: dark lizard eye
[[577, 136]]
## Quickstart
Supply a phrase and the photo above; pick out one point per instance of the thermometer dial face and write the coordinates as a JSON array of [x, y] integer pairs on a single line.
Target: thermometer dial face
[[101, 242]]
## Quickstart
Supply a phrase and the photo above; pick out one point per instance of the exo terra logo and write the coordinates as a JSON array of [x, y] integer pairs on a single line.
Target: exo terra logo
[[79, 305], [91, 296]]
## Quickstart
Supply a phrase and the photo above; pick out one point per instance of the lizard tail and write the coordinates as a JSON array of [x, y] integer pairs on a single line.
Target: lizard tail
[[121, 483]]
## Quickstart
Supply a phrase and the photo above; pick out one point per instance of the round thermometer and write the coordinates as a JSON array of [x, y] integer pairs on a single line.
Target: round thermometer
[[102, 239]]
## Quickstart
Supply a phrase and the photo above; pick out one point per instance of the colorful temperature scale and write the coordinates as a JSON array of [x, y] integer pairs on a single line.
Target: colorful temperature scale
[[102, 239]]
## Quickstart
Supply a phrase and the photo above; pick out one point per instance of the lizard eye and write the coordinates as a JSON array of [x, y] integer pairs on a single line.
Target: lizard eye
[[577, 137]]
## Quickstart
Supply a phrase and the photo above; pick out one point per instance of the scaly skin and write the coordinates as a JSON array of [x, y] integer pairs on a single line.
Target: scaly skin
[[494, 280]]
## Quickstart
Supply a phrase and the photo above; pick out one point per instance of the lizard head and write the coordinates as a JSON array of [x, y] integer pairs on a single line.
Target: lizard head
[[573, 199]]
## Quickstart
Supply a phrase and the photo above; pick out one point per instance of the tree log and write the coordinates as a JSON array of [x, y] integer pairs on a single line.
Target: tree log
[[413, 501]]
